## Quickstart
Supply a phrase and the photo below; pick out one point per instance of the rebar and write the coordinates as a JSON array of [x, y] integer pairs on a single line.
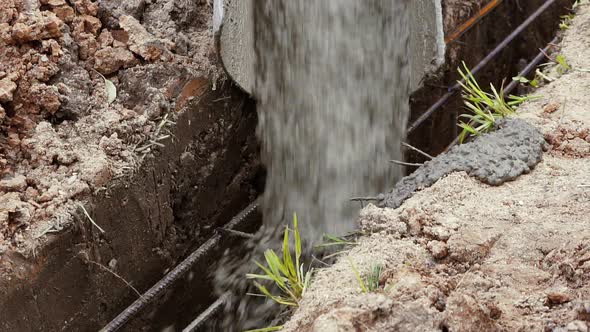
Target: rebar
[[206, 315], [236, 233], [417, 150], [526, 71], [463, 28], [158, 289], [452, 90]]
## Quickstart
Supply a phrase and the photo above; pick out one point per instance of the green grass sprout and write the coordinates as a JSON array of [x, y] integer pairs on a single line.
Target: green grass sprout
[[562, 65], [286, 273], [371, 281], [332, 240], [485, 108]]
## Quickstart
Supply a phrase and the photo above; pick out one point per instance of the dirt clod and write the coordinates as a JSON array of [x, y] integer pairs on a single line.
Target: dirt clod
[[109, 60], [143, 43], [39, 26], [465, 313], [438, 249], [16, 183], [7, 88], [551, 107], [555, 298]]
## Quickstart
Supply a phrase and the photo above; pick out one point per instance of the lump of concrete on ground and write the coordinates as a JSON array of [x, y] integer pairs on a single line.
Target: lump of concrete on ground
[[513, 149]]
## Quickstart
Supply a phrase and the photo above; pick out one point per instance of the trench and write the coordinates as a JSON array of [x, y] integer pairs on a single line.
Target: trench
[[435, 134], [192, 295], [198, 205]]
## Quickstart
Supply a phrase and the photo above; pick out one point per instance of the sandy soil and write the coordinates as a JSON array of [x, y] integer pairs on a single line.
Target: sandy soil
[[465, 256], [60, 139]]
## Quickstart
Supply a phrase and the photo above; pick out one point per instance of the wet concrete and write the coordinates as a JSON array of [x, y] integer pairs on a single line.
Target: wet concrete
[[494, 158], [235, 19]]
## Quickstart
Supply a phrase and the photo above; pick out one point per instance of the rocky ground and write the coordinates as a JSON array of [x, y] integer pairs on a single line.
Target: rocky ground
[[61, 138], [465, 256]]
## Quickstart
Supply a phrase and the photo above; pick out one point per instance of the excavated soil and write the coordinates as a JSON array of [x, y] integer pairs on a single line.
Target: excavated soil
[[462, 255], [61, 140]]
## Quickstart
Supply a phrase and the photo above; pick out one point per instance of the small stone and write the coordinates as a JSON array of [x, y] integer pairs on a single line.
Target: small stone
[[16, 183], [555, 298], [87, 24], [87, 46], [551, 107], [105, 38], [438, 249], [31, 194], [96, 171], [65, 13], [48, 195], [7, 88], [46, 96], [440, 233], [9, 203], [120, 38], [87, 7], [55, 3], [127, 114]]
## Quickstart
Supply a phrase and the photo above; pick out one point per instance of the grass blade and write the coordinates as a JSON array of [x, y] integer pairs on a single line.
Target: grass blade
[[358, 276]]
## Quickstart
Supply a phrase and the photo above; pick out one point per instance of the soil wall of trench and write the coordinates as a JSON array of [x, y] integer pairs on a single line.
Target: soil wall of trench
[[150, 222], [158, 169]]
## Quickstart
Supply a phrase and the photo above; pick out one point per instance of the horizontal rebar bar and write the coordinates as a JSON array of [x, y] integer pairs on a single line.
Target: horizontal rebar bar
[[404, 163], [236, 233], [158, 289], [532, 65], [205, 315], [417, 150], [481, 64]]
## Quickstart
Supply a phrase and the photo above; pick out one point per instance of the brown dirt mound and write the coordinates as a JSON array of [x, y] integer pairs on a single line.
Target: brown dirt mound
[[60, 139]]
